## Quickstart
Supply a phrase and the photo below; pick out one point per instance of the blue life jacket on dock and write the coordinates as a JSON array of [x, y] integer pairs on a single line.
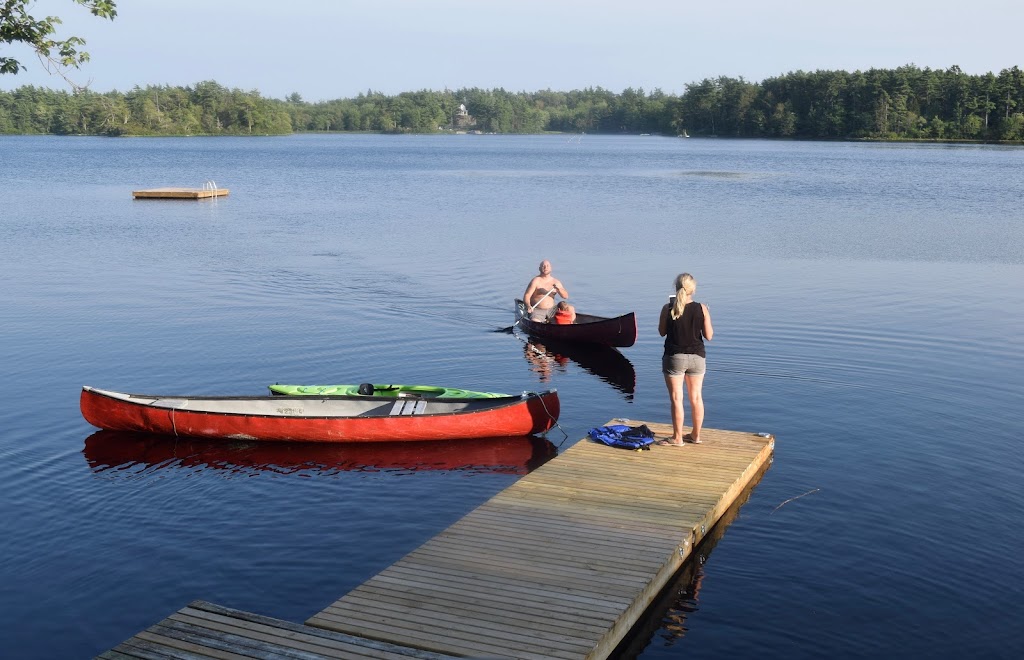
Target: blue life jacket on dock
[[620, 435]]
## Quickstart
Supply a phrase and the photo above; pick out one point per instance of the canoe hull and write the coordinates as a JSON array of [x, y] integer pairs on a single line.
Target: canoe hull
[[619, 331], [323, 419]]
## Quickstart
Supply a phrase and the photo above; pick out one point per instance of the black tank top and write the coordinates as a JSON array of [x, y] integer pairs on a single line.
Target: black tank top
[[686, 333]]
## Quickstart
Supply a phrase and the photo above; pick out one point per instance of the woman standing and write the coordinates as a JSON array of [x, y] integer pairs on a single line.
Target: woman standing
[[685, 325]]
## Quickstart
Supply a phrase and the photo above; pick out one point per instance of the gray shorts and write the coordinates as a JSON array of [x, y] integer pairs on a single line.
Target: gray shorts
[[682, 364], [541, 315]]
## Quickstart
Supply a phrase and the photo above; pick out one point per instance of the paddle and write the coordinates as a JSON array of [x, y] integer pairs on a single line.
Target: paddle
[[526, 307], [550, 291], [510, 328]]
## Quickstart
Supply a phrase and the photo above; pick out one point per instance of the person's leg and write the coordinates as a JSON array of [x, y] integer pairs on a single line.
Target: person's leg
[[694, 387], [675, 395]]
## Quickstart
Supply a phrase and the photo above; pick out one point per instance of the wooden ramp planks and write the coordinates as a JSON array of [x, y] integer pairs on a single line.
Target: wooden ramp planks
[[562, 563], [205, 630], [179, 193]]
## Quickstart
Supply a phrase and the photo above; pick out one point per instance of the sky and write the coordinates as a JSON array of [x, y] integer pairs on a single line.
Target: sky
[[333, 49]]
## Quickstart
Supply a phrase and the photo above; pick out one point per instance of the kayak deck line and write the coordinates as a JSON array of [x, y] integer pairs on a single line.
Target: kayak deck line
[[562, 563]]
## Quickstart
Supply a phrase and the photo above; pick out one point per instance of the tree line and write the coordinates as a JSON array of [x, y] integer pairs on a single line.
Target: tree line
[[903, 103]]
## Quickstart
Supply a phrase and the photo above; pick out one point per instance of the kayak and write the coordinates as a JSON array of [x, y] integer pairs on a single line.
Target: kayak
[[321, 419], [605, 331], [370, 389]]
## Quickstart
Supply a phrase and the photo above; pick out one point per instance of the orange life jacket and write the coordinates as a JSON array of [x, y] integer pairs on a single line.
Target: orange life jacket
[[563, 317]]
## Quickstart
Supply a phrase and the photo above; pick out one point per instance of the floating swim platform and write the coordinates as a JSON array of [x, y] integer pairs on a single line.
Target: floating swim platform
[[209, 189]]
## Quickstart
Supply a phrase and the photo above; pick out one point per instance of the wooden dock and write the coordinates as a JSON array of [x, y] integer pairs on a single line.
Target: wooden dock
[[179, 193], [205, 630], [561, 564]]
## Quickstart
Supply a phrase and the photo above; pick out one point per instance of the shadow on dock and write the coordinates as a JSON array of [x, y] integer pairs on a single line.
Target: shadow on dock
[[121, 453], [666, 617]]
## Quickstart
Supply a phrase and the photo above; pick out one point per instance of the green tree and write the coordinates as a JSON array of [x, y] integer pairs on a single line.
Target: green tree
[[1013, 127], [704, 105], [956, 91], [17, 25], [1009, 87], [738, 99], [783, 120]]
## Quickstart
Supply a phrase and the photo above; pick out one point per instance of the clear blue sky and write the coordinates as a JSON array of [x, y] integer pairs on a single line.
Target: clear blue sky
[[329, 49]]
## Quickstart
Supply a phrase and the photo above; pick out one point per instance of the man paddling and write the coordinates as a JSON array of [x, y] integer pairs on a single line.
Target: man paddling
[[540, 293]]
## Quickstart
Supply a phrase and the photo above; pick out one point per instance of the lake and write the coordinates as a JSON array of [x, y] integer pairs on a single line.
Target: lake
[[867, 301]]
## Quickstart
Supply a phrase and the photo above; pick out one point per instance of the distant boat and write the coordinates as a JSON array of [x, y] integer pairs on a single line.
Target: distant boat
[[685, 134]]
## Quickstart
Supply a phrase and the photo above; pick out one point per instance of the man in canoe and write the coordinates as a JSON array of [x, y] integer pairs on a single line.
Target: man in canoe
[[540, 294]]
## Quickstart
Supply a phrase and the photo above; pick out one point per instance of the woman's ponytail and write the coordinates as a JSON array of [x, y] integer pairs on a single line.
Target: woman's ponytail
[[685, 286]]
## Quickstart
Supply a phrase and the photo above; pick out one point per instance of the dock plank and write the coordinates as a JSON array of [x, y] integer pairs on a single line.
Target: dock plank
[[538, 620], [203, 630], [514, 566]]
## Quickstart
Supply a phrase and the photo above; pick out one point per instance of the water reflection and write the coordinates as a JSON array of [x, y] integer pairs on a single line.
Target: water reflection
[[551, 356], [123, 453], [666, 618]]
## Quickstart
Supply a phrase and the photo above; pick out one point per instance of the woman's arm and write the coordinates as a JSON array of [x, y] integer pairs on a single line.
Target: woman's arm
[[709, 331], [663, 321]]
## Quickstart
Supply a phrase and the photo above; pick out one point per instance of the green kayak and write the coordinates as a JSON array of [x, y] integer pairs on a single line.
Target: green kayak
[[371, 389]]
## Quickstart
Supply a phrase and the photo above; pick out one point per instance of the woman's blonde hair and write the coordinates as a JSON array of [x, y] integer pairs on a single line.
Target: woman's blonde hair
[[685, 286]]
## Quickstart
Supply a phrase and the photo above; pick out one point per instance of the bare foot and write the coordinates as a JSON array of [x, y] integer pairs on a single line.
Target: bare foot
[[670, 443], [689, 438]]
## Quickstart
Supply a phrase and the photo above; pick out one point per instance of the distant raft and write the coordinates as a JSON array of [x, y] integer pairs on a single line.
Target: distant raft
[[392, 390], [208, 190]]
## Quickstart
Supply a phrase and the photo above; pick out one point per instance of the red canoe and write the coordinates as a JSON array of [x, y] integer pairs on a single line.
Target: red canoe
[[618, 331], [321, 419]]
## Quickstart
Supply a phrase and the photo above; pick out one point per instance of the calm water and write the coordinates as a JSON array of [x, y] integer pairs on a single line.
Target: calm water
[[868, 308]]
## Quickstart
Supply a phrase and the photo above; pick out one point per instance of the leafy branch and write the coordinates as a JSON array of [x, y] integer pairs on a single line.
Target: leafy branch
[[57, 55]]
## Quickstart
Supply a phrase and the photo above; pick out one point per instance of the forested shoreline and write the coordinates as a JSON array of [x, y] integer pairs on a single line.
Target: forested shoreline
[[887, 104]]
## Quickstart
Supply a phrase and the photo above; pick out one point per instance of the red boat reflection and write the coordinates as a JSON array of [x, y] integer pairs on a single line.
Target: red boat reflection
[[116, 451]]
